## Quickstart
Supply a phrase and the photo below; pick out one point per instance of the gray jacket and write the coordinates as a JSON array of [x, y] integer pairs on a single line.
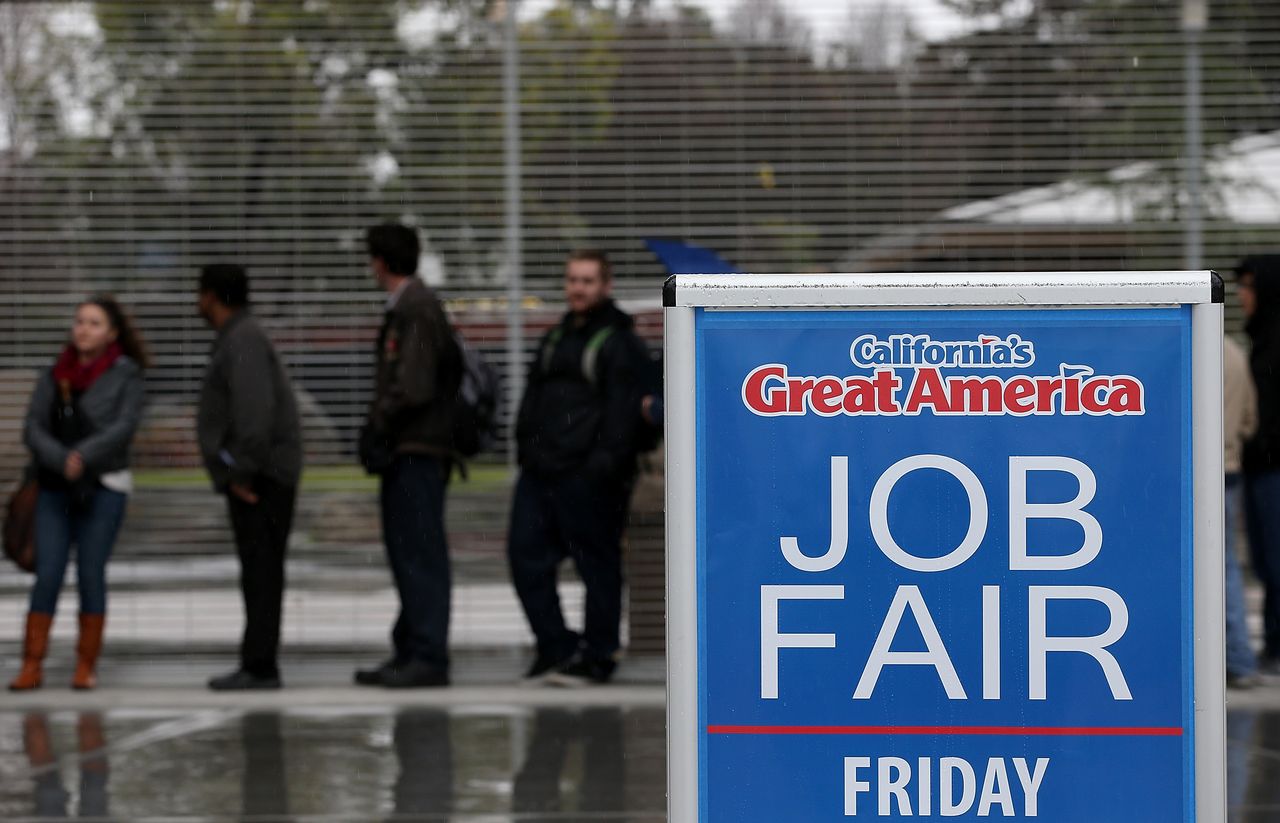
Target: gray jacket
[[247, 423], [111, 408]]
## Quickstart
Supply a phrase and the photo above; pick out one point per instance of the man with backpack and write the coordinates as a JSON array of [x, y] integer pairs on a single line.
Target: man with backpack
[[408, 441], [578, 431]]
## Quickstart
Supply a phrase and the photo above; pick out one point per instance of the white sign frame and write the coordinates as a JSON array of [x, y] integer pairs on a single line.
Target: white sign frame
[[684, 294]]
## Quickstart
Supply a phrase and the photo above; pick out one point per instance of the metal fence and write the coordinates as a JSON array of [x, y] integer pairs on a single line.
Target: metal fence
[[139, 140]]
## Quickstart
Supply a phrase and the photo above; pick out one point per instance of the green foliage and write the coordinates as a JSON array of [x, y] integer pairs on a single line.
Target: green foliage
[[333, 104], [53, 90], [577, 78], [1117, 68], [789, 245]]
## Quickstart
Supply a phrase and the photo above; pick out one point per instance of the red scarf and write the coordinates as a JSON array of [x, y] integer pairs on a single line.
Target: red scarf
[[81, 375]]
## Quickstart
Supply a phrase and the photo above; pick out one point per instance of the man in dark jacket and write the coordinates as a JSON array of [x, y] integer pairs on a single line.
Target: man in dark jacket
[[408, 440], [251, 442], [576, 433], [1259, 290]]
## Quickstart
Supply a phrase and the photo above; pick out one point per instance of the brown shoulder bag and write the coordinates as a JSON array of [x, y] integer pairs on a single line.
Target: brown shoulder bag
[[20, 525]]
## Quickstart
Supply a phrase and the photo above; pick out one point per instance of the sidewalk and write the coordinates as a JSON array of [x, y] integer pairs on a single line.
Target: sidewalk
[[341, 614], [481, 677]]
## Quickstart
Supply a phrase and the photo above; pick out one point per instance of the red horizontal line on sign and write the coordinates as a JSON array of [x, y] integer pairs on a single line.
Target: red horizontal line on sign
[[1012, 731]]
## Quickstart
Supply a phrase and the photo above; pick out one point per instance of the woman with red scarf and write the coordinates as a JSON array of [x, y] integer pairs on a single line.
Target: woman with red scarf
[[79, 428]]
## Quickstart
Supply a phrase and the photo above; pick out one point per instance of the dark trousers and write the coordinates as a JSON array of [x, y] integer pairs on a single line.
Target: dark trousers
[[574, 516], [1262, 516], [262, 537], [413, 490]]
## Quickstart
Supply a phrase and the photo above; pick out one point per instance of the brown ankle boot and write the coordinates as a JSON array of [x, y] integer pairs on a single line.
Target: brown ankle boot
[[87, 651], [34, 647]]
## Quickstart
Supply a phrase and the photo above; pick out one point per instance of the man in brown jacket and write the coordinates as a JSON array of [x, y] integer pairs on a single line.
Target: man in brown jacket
[[408, 441]]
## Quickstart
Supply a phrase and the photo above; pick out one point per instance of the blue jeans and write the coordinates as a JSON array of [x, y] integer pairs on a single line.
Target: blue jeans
[[1262, 511], [1240, 659], [412, 495], [92, 527]]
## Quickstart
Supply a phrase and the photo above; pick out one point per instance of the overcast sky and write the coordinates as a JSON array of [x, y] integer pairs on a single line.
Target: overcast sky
[[825, 17]]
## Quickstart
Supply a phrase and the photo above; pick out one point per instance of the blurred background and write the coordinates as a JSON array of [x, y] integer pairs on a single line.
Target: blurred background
[[139, 140]]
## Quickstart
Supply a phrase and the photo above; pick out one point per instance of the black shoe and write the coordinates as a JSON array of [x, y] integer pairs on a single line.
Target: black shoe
[[374, 677], [583, 671], [415, 674], [544, 664], [241, 681]]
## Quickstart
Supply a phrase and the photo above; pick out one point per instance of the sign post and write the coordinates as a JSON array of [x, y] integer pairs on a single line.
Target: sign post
[[945, 546]]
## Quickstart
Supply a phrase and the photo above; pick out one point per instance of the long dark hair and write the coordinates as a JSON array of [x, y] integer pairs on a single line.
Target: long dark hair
[[127, 335]]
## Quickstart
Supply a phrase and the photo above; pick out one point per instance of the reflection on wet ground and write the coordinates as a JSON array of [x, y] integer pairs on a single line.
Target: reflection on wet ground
[[422, 764], [1253, 765], [481, 764]]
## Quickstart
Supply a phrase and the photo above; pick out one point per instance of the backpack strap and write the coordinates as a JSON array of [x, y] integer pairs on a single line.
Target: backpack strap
[[591, 354], [549, 348]]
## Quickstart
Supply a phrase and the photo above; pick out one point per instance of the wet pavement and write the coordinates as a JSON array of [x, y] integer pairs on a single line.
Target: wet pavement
[[151, 746], [475, 763], [481, 757]]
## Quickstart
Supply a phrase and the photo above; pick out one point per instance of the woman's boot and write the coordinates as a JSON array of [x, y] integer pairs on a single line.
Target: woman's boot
[[34, 647], [87, 651]]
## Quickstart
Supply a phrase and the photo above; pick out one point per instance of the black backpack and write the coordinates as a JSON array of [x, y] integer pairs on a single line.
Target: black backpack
[[475, 419]]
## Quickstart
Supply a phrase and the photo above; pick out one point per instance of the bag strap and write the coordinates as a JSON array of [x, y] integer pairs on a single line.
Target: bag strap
[[591, 354], [549, 347]]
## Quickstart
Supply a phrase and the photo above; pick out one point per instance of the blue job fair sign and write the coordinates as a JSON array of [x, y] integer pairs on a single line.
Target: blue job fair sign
[[944, 564]]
